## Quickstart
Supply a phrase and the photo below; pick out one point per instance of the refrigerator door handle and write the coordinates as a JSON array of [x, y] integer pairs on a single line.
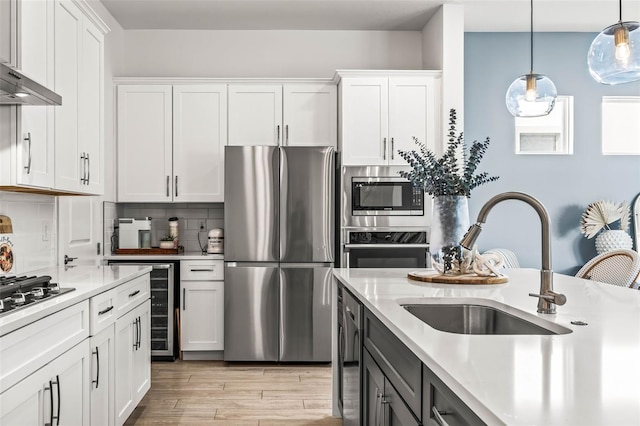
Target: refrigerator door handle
[[307, 265], [251, 264]]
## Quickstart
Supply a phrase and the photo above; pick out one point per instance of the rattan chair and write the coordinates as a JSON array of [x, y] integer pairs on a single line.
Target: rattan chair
[[510, 258], [617, 267]]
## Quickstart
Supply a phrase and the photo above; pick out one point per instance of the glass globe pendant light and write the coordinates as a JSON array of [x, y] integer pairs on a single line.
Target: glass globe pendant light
[[614, 55], [531, 95]]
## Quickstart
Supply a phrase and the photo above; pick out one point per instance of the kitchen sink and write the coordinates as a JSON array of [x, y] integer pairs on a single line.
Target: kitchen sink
[[478, 318]]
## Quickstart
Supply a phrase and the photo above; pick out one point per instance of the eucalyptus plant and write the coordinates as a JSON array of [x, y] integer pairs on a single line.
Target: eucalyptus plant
[[444, 175]]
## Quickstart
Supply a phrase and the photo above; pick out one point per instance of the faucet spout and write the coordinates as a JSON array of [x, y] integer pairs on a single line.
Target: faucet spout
[[547, 298]]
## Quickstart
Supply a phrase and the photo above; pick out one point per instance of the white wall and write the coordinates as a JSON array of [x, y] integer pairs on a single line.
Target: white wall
[[201, 53]]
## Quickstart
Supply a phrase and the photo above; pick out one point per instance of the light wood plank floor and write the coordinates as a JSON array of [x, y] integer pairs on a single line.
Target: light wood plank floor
[[222, 393]]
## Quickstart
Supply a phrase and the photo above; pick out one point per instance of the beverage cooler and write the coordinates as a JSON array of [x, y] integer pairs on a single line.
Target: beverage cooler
[[163, 303]]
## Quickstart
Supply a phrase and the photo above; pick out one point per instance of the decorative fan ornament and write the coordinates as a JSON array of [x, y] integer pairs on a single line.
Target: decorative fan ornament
[[600, 214]]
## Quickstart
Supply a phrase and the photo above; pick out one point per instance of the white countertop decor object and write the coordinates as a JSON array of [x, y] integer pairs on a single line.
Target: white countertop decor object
[[87, 281], [587, 377]]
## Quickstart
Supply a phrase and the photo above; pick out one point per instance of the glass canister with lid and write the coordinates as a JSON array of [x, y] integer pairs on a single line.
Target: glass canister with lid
[[173, 230]]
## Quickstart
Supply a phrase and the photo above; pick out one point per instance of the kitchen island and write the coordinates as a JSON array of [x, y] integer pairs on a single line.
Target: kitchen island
[[587, 376]]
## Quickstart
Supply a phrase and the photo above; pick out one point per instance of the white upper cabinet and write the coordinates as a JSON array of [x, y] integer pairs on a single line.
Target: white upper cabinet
[[199, 137], [35, 144], [9, 32], [381, 114], [290, 114], [144, 143], [255, 114], [79, 120], [59, 44], [171, 142], [310, 115]]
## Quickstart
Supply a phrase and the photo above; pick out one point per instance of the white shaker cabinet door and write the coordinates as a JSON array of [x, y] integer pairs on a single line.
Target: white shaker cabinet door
[[36, 132], [90, 113], [68, 41], [144, 143], [103, 377], [255, 114], [199, 137], [412, 113], [310, 115], [202, 321], [365, 121]]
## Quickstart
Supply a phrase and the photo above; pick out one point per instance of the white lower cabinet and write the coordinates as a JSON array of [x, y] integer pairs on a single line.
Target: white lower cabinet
[[58, 392], [132, 360], [202, 306], [102, 381]]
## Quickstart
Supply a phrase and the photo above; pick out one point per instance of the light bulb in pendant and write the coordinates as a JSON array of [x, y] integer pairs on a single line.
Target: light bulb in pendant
[[530, 95], [621, 39]]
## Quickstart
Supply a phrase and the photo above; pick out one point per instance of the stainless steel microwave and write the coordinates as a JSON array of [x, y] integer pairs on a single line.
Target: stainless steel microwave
[[385, 196]]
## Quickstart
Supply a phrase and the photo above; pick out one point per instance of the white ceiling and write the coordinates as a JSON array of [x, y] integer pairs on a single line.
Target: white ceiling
[[384, 15]]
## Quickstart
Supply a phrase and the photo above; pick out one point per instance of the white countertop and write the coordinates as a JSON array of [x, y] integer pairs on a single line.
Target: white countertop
[[87, 281], [590, 376], [182, 256]]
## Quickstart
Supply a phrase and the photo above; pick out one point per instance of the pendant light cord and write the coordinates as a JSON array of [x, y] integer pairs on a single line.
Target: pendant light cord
[[620, 9], [531, 67]]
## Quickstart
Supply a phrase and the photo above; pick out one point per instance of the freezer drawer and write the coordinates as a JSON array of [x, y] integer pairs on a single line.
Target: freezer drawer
[[251, 312], [305, 313]]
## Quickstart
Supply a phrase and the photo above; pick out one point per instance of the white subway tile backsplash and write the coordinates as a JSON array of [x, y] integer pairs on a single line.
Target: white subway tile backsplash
[[34, 229], [189, 215]]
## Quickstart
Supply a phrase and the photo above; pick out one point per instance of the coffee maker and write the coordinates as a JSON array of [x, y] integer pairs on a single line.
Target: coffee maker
[[134, 233]]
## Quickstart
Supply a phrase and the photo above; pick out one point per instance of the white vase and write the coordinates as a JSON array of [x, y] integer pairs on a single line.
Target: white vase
[[613, 239], [449, 223]]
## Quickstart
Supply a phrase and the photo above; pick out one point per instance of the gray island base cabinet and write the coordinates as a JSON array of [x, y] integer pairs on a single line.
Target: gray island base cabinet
[[398, 389]]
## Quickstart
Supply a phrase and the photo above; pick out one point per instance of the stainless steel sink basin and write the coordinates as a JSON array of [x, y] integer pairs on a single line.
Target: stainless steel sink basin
[[476, 318]]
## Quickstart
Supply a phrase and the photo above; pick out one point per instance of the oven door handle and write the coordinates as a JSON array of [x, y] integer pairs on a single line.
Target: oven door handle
[[384, 246]]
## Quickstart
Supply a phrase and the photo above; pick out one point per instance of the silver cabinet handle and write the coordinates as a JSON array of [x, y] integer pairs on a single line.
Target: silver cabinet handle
[[438, 417], [135, 340], [278, 133], [176, 188], [57, 383], [28, 166], [104, 311], [286, 134], [88, 181], [50, 389], [168, 180], [97, 380], [384, 148], [139, 332], [392, 148], [83, 166], [184, 299]]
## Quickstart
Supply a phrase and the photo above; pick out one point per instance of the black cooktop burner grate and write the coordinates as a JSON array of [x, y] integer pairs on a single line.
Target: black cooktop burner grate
[[17, 292]]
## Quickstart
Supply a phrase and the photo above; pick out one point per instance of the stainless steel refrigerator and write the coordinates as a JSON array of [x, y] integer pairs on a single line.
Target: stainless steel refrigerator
[[279, 251]]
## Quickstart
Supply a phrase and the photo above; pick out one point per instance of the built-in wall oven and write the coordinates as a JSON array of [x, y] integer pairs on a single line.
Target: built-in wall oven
[[385, 220], [391, 248], [163, 296]]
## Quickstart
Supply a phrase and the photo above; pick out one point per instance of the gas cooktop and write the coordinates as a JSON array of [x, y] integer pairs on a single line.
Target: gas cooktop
[[17, 292]]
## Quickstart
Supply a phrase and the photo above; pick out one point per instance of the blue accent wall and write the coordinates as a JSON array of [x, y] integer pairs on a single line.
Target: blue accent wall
[[564, 184]]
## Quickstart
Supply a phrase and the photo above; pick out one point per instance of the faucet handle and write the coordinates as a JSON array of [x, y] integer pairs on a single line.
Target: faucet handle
[[551, 296]]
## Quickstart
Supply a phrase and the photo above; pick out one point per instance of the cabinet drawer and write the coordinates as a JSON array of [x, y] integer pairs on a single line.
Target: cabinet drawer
[[397, 362], [102, 310], [32, 346], [451, 408], [201, 270], [131, 294]]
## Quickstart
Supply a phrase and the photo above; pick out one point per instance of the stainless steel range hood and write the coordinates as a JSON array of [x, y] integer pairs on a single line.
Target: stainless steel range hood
[[16, 89]]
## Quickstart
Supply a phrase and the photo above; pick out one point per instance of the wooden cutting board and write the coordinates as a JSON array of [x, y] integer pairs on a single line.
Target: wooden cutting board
[[431, 277], [153, 250]]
